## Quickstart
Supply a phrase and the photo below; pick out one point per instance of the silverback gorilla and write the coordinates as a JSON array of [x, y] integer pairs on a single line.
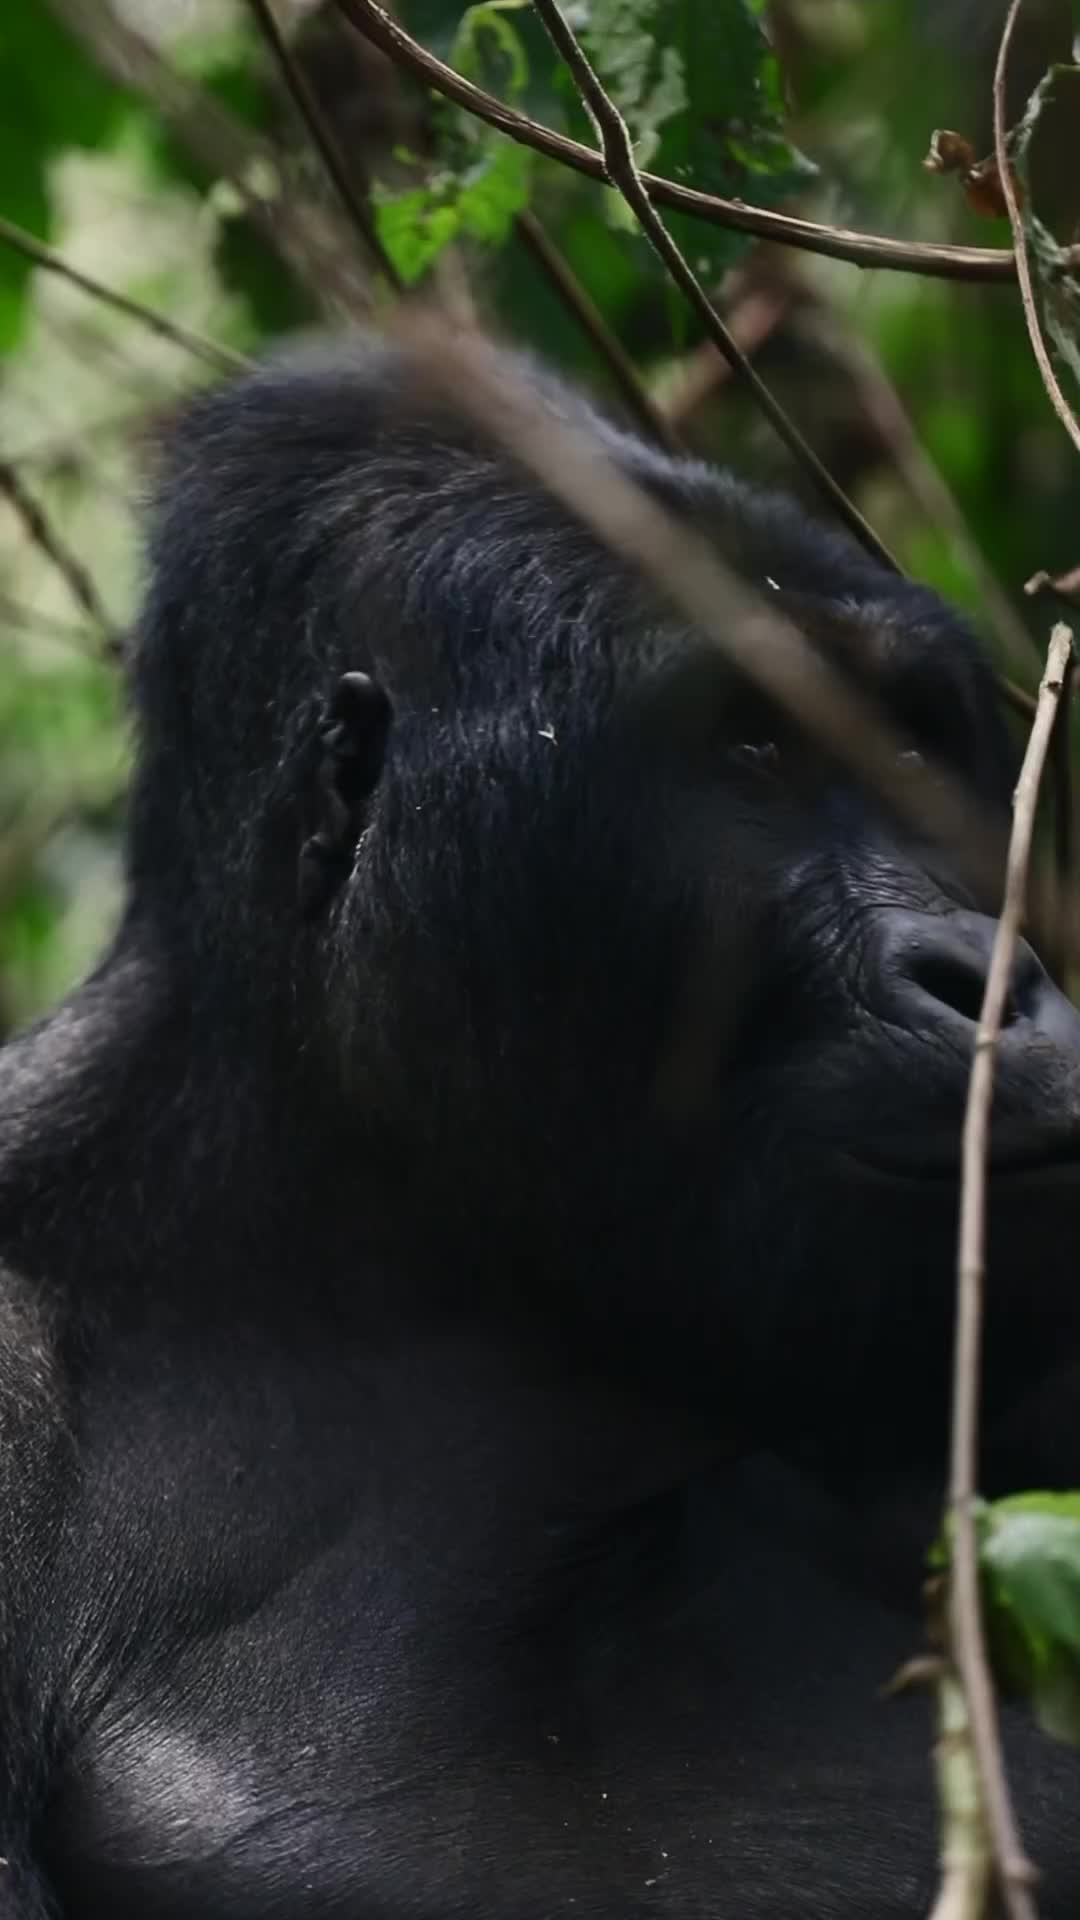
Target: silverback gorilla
[[477, 1253]]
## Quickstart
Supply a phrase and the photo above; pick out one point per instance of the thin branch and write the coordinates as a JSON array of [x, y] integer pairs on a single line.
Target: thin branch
[[44, 536], [1012, 1867], [1063, 586], [889, 417], [324, 140], [1016, 220], [836, 243], [29, 620], [223, 359], [621, 170], [578, 302], [1064, 823], [753, 317], [1022, 703]]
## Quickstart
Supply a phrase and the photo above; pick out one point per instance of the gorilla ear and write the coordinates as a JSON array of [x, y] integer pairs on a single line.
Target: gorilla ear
[[349, 754]]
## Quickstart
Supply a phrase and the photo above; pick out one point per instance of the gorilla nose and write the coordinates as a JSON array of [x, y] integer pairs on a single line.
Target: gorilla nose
[[934, 970]]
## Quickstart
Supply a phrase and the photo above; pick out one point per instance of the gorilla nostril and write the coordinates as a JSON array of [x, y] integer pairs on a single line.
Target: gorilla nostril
[[956, 979]]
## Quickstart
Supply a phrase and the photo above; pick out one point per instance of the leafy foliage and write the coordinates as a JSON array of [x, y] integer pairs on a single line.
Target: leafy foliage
[[698, 85], [701, 92], [1029, 1555], [479, 180]]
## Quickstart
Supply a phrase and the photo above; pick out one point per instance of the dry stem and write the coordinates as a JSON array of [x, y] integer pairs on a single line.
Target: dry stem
[[1016, 220], [621, 170], [1011, 1864]]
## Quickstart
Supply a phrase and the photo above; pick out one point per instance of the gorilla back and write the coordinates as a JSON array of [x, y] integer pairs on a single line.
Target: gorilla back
[[477, 1253]]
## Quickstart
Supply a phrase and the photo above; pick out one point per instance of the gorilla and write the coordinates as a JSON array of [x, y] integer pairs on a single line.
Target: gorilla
[[477, 1254]]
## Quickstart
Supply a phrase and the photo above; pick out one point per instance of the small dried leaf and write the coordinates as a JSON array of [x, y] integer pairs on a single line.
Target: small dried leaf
[[983, 190], [949, 152]]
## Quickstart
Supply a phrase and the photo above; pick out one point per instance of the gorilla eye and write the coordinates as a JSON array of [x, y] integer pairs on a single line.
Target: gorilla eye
[[763, 755]]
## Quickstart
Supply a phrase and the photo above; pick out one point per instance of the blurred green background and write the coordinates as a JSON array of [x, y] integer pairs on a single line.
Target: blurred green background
[[919, 394]]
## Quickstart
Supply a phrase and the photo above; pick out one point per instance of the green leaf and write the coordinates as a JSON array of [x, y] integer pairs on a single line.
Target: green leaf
[[496, 190], [701, 91], [414, 229], [481, 179], [1031, 1556]]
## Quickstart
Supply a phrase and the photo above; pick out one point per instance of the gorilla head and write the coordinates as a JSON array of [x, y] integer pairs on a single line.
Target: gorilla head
[[575, 971]]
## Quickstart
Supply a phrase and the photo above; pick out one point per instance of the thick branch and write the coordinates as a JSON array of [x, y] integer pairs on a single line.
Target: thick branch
[[1013, 1869], [621, 170], [1016, 220], [837, 243]]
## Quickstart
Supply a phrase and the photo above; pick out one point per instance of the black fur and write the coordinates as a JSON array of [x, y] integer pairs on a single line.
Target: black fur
[[474, 1338]]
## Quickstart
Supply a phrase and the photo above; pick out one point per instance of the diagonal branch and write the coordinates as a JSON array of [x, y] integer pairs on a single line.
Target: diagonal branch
[[323, 139], [1016, 220], [1013, 1869], [41, 532], [836, 243], [214, 355], [682, 563], [609, 348], [621, 170]]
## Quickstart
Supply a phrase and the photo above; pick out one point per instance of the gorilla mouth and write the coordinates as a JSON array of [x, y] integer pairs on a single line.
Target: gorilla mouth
[[1042, 1160]]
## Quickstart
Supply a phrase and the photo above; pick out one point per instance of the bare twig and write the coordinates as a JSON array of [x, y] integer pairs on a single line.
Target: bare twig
[[323, 138], [1063, 586], [1064, 822], [222, 358], [609, 348], [1016, 220], [889, 418], [837, 243], [681, 388], [621, 170], [1012, 1867], [1018, 698], [44, 536], [965, 1840]]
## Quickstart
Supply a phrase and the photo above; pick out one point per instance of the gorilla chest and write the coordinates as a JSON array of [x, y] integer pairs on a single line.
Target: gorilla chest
[[291, 1698], [325, 1758], [348, 1743]]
